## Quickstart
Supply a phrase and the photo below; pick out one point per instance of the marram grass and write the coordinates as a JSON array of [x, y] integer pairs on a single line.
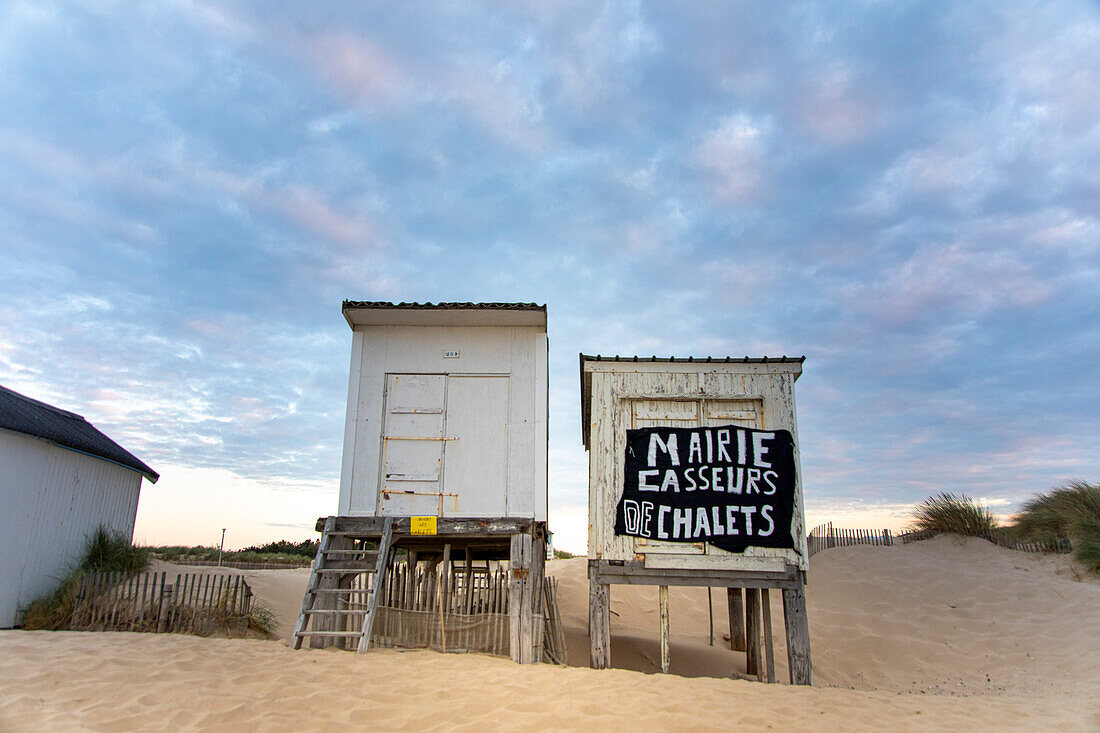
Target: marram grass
[[1070, 511], [953, 514], [105, 551]]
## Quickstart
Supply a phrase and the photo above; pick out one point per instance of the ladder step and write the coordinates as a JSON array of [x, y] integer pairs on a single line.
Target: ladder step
[[356, 535], [339, 568], [340, 590], [330, 633], [331, 612]]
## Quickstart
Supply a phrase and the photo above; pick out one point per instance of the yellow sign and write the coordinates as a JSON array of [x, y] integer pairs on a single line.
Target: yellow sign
[[423, 525]]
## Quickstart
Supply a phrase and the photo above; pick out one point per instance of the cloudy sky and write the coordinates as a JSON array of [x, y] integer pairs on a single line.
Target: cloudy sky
[[906, 193]]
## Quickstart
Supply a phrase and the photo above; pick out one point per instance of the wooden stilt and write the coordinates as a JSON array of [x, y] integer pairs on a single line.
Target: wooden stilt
[[410, 579], [538, 573], [710, 614], [769, 647], [798, 636], [444, 594], [521, 599], [737, 619], [752, 632], [599, 624], [665, 655]]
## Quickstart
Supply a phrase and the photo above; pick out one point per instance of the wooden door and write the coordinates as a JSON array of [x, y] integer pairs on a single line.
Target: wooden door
[[666, 413], [475, 463], [743, 413], [412, 445]]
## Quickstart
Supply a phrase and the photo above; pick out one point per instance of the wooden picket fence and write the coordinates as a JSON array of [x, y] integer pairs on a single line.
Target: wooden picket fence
[[449, 607], [194, 603], [825, 536]]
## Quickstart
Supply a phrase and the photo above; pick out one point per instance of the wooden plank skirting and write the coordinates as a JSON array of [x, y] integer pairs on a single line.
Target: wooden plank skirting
[[448, 606], [193, 603]]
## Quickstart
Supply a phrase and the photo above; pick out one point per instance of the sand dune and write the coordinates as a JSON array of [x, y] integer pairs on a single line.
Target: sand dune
[[943, 634]]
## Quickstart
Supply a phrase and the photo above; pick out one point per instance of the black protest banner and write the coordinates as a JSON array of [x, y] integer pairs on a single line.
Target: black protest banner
[[730, 486]]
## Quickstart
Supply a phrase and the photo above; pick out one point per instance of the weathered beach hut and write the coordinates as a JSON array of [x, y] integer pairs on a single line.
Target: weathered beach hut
[[60, 479], [694, 480], [445, 450]]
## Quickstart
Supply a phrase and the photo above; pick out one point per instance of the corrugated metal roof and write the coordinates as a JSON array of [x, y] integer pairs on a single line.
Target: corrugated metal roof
[[444, 306], [22, 414], [586, 407], [701, 359]]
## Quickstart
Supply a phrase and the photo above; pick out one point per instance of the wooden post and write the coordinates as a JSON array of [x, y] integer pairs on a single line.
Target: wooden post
[[599, 624], [538, 573], [798, 636], [410, 580], [520, 600], [444, 591], [737, 619], [663, 595], [710, 614], [769, 650], [165, 606], [752, 632]]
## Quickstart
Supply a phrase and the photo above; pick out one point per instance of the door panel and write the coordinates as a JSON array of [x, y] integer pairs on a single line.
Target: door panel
[[670, 413], [412, 445], [743, 413], [475, 464]]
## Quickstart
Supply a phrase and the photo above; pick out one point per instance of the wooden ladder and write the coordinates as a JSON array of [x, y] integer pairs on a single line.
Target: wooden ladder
[[335, 560]]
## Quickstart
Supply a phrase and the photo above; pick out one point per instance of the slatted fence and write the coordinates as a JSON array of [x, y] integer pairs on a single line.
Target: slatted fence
[[195, 603], [825, 536], [454, 607]]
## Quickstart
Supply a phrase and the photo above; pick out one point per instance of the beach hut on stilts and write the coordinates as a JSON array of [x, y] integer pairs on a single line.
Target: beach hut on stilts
[[440, 536], [694, 480]]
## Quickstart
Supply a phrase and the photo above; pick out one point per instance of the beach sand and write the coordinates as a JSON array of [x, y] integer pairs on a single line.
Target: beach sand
[[944, 634]]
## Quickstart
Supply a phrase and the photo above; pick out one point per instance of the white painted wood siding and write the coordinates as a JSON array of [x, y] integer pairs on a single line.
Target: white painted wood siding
[[629, 394], [498, 466], [51, 500]]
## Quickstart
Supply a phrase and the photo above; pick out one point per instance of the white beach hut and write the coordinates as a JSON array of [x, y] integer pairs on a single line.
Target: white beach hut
[[60, 479], [708, 516], [445, 452], [446, 410]]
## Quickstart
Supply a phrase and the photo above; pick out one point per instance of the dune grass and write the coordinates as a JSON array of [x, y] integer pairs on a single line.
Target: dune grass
[[281, 551], [105, 551], [1070, 511], [949, 513]]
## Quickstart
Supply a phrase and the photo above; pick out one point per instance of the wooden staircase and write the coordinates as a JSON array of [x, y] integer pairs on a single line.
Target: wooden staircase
[[337, 564]]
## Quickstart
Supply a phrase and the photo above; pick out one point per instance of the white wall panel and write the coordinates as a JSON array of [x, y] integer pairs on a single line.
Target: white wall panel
[[515, 352], [51, 500]]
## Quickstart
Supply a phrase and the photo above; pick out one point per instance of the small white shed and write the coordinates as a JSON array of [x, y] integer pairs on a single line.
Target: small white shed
[[447, 410], [60, 479], [694, 480]]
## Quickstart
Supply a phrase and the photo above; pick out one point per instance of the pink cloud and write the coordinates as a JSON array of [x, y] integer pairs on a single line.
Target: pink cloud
[[731, 158]]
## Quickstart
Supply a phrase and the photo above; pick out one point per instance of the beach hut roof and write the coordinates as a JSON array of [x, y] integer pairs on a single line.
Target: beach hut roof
[[380, 313], [586, 382], [21, 414]]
